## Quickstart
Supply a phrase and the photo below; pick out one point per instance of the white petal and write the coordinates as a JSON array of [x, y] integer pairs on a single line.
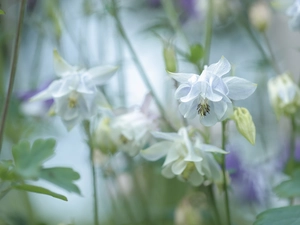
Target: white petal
[[210, 119], [218, 85], [178, 167], [172, 155], [239, 88], [195, 179], [220, 68], [69, 124], [157, 151], [167, 172], [195, 91], [43, 95], [61, 67], [220, 108], [182, 91], [99, 75], [166, 136], [210, 148], [182, 77], [215, 171], [192, 112], [191, 155]]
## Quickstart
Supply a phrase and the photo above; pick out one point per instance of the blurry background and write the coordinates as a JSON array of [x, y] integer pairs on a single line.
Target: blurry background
[[85, 34]]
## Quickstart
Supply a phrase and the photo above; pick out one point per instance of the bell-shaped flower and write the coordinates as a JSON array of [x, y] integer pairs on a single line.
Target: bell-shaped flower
[[294, 13], [75, 94], [284, 95], [128, 132], [210, 95], [188, 159]]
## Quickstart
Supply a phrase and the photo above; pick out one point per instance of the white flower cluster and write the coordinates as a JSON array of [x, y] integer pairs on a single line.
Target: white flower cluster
[[294, 13], [210, 95], [188, 159], [75, 93]]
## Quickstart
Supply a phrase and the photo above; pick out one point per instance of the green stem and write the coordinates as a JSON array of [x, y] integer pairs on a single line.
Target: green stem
[[172, 15], [223, 165], [208, 32], [86, 125], [213, 203], [273, 59], [114, 13], [292, 148], [13, 70]]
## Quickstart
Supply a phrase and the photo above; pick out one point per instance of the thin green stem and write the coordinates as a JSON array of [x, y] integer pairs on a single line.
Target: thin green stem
[[172, 15], [223, 166], [213, 203], [208, 32], [114, 12], [86, 125], [13, 70], [273, 59], [292, 148]]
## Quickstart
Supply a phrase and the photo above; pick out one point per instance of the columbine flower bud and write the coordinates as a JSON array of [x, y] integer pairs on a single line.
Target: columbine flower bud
[[260, 16], [284, 95], [170, 58], [103, 137], [244, 124]]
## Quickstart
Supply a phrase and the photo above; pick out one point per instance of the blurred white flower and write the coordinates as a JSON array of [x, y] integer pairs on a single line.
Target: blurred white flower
[[294, 13], [75, 93], [284, 95], [209, 94], [127, 132], [189, 160], [260, 15]]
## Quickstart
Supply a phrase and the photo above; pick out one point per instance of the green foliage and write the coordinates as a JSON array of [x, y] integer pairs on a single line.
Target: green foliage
[[62, 177], [28, 160], [2, 12], [280, 216], [28, 165], [196, 53], [40, 190], [289, 188]]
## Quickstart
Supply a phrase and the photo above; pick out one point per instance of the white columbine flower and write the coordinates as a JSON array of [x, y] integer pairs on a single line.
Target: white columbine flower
[[75, 93], [294, 13], [284, 95], [131, 131], [210, 95], [189, 160]]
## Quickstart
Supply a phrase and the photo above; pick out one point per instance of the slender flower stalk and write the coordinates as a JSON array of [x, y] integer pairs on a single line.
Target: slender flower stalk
[[223, 166], [292, 148], [13, 70], [114, 13], [86, 126], [272, 59], [208, 32]]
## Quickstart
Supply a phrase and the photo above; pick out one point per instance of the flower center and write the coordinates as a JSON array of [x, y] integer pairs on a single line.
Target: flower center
[[190, 167], [72, 100], [203, 108], [123, 139]]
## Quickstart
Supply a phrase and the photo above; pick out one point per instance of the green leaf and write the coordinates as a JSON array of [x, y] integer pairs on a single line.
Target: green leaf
[[62, 177], [2, 12], [289, 188], [280, 216], [196, 53], [39, 190], [6, 170], [28, 160]]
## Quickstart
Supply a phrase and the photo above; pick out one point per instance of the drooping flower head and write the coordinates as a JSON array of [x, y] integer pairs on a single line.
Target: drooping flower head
[[75, 94], [188, 159], [284, 95], [294, 13], [210, 95], [128, 132]]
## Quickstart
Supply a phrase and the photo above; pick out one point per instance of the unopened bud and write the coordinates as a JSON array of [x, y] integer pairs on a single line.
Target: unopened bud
[[244, 124], [260, 16], [170, 58]]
